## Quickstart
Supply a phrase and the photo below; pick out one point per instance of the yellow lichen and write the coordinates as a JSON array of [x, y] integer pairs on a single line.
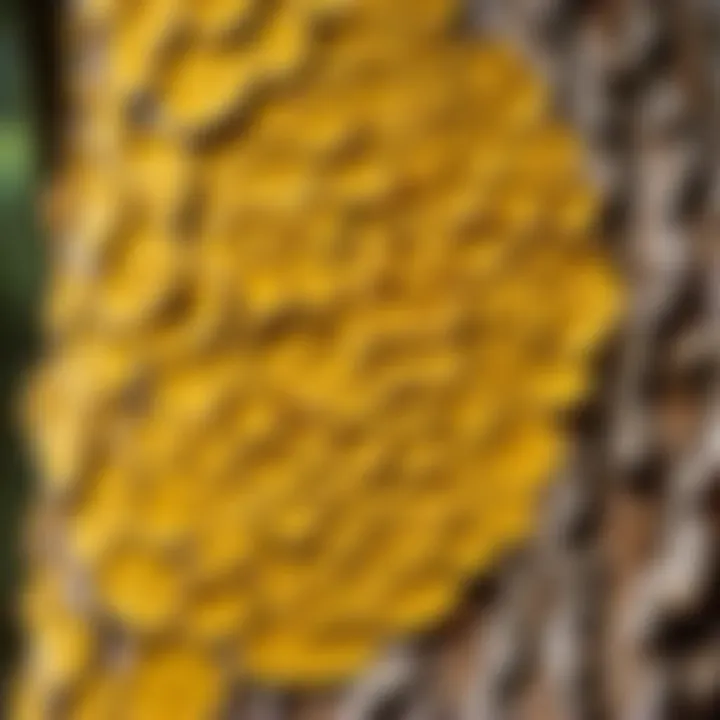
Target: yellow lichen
[[174, 680], [318, 322], [141, 587]]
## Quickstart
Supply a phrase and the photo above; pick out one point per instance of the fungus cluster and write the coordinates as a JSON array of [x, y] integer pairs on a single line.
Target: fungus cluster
[[325, 278]]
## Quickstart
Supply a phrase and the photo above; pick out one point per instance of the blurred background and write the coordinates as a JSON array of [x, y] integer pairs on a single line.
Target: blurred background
[[20, 276], [630, 542]]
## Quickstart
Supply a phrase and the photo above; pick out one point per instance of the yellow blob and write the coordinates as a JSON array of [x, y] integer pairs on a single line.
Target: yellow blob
[[202, 87], [316, 328], [284, 657], [141, 281], [64, 423], [220, 612], [415, 17], [220, 18], [165, 510], [224, 544], [141, 587], [284, 45], [63, 642], [100, 697], [174, 681], [103, 515], [139, 34], [423, 601], [27, 702], [157, 175]]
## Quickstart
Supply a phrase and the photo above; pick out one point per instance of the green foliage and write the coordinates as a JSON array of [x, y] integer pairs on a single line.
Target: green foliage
[[20, 270]]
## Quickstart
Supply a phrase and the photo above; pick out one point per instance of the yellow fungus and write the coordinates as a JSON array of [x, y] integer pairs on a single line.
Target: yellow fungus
[[283, 657], [156, 174], [165, 509], [423, 600], [27, 703], [141, 281], [202, 87], [141, 587], [218, 18], [139, 33], [64, 439], [100, 697], [223, 541], [103, 515], [63, 643], [284, 45], [321, 297], [175, 681], [219, 613]]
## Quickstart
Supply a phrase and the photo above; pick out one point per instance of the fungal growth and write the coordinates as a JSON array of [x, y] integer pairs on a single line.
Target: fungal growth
[[325, 276]]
